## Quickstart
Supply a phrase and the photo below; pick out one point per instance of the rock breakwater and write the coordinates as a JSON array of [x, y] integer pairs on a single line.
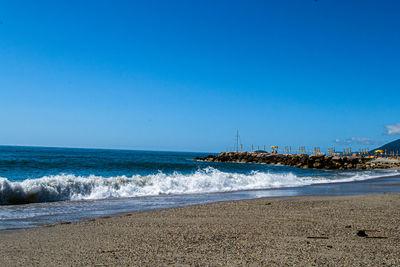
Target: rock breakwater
[[305, 161]]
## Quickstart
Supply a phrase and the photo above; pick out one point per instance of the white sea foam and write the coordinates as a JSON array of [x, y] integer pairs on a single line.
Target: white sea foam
[[208, 180]]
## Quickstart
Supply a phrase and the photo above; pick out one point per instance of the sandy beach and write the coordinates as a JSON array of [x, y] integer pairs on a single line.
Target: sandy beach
[[302, 231]]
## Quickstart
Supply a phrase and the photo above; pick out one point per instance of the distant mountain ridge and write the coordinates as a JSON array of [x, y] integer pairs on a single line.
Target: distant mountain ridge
[[390, 147]]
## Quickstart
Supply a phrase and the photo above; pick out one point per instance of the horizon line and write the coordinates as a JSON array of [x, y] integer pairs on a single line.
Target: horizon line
[[103, 148]]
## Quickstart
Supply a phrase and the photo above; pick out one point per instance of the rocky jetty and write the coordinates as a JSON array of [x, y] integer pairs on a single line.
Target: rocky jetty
[[306, 161]]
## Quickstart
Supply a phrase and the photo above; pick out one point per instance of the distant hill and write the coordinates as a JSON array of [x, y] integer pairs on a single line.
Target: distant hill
[[390, 147]]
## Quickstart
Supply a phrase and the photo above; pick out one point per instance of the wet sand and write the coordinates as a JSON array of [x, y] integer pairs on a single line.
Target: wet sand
[[271, 231]]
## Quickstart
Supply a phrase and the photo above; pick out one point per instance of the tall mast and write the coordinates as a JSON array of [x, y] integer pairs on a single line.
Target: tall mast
[[237, 140]]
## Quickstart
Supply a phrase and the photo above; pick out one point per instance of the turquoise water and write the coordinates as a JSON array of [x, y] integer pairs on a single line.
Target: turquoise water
[[70, 184]]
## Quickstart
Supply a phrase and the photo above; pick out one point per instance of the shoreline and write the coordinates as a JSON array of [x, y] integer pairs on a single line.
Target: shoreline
[[304, 230], [76, 211]]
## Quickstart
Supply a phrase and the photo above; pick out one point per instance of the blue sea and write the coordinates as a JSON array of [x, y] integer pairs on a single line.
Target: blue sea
[[41, 186]]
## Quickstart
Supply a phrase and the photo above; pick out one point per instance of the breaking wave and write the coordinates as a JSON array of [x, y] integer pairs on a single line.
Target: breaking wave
[[208, 180]]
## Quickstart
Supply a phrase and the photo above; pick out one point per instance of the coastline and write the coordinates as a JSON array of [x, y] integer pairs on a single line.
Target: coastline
[[267, 231], [305, 161], [74, 211]]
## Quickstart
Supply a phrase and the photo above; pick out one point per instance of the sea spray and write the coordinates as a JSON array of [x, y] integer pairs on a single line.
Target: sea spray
[[206, 180]]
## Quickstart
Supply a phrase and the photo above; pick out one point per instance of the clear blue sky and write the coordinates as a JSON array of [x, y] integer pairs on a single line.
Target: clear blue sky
[[185, 75]]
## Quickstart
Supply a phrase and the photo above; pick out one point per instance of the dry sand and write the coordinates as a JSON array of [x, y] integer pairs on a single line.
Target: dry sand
[[274, 231]]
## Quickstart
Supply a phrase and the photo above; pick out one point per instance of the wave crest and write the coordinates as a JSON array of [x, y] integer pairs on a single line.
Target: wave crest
[[208, 180]]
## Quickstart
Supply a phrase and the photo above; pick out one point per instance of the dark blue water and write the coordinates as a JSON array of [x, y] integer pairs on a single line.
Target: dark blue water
[[57, 184], [18, 163]]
